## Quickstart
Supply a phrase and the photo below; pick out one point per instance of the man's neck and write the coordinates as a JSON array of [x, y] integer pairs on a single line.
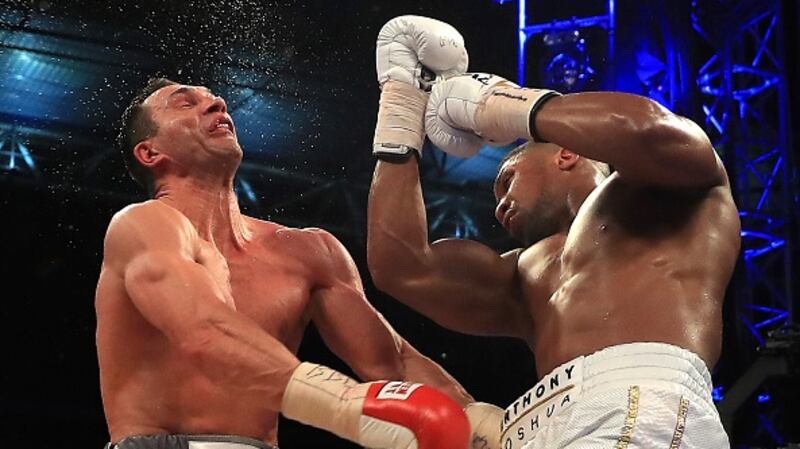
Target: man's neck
[[578, 193], [211, 206]]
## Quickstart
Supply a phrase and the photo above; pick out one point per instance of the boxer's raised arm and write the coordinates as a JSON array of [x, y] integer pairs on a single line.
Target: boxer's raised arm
[[461, 284], [644, 141], [151, 247]]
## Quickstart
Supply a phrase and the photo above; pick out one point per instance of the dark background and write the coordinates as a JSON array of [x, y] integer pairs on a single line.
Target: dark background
[[299, 78]]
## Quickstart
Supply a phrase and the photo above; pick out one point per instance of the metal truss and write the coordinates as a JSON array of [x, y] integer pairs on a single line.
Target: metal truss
[[526, 31], [745, 107], [14, 153]]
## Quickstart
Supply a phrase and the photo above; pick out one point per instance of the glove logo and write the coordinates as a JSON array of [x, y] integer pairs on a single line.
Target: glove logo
[[396, 390], [445, 41], [482, 78]]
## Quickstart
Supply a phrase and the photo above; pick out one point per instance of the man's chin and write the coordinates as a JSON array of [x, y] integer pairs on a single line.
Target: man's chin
[[228, 151], [516, 232]]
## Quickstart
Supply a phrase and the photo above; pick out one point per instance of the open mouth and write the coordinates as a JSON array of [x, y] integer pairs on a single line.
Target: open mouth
[[222, 125]]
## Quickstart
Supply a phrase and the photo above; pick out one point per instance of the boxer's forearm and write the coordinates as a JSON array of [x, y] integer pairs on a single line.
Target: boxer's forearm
[[642, 139], [397, 231], [237, 354]]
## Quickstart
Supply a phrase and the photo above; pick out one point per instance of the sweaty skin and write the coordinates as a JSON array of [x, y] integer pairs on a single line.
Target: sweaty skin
[[642, 255], [200, 309]]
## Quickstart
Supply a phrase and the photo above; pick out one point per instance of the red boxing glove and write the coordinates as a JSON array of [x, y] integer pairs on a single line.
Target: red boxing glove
[[414, 416], [381, 415]]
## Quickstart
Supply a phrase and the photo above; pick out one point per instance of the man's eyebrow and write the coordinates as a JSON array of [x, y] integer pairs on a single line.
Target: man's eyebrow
[[186, 89]]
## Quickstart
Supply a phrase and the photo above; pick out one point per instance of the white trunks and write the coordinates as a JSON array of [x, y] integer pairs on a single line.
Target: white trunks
[[637, 395]]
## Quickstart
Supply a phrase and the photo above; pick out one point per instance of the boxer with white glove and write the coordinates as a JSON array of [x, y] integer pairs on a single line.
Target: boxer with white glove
[[380, 415], [412, 52], [468, 111]]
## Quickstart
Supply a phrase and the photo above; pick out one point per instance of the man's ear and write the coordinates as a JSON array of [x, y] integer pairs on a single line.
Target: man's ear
[[566, 159], [147, 154]]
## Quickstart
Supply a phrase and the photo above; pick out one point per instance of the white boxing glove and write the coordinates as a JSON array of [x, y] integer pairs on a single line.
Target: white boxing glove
[[412, 52], [450, 115], [485, 422], [471, 110], [416, 50]]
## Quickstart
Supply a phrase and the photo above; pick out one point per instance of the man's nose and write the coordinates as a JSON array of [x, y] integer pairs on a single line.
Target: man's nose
[[217, 105], [502, 208]]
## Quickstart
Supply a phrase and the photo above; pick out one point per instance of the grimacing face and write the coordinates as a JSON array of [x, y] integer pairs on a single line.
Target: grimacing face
[[194, 127], [526, 205]]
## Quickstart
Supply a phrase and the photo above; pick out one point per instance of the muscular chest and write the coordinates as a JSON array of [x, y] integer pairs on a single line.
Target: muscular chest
[[540, 270], [598, 231], [274, 290], [268, 286]]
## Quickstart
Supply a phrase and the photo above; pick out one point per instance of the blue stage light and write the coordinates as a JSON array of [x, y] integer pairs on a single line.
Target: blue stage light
[[716, 393], [26, 155]]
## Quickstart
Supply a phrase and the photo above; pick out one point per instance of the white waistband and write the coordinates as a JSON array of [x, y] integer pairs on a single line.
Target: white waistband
[[626, 363], [647, 361]]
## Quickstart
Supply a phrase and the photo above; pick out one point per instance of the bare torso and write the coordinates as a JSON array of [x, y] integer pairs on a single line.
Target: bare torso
[[149, 387], [637, 264]]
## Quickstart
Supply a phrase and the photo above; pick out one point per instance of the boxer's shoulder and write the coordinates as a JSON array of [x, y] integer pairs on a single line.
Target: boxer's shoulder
[[270, 230], [300, 243], [152, 212], [150, 216], [147, 227]]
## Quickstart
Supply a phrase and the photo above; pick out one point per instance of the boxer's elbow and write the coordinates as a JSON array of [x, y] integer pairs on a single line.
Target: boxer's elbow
[[380, 270], [685, 153], [393, 280], [393, 255], [390, 273]]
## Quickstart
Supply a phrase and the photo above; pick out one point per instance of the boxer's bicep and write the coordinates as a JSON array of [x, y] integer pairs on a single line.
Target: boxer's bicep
[[646, 143], [176, 295], [674, 153], [467, 287], [148, 247]]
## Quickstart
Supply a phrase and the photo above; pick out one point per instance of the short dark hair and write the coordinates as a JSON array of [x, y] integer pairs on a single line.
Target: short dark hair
[[137, 125], [515, 151], [605, 168]]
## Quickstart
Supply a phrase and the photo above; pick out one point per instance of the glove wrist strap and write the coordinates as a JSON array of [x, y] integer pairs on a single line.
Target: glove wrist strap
[[507, 112], [485, 421], [325, 398], [400, 126]]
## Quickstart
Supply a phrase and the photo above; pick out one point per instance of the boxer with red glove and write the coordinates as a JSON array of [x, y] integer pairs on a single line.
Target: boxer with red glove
[[375, 414]]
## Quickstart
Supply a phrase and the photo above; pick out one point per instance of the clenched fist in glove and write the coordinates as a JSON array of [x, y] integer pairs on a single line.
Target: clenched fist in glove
[[412, 53], [380, 415], [465, 112]]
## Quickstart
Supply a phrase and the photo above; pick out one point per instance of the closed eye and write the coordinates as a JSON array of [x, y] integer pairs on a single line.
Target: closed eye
[[183, 101], [505, 182]]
